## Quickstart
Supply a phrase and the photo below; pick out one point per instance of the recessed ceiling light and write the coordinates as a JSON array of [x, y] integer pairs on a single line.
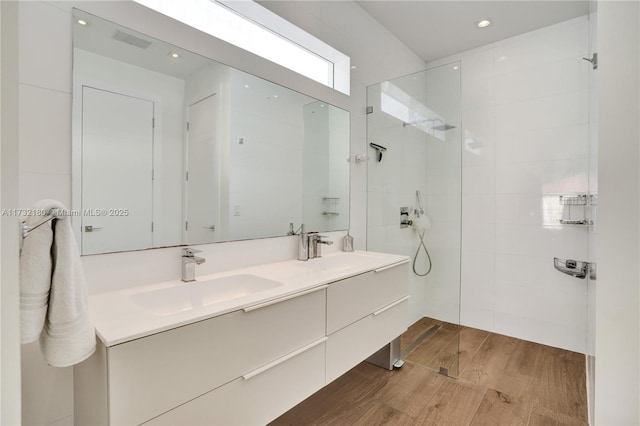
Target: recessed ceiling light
[[174, 55], [246, 86], [455, 67], [82, 22], [483, 23], [353, 67]]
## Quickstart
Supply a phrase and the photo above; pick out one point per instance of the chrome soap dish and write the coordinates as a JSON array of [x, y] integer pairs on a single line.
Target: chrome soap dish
[[575, 268]]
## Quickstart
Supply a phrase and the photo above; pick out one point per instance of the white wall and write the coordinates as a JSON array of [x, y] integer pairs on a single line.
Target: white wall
[[265, 189], [526, 140], [213, 78], [168, 94], [618, 284], [10, 398], [44, 97], [44, 94]]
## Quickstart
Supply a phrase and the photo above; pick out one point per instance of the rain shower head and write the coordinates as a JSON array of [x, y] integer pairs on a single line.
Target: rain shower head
[[443, 127]]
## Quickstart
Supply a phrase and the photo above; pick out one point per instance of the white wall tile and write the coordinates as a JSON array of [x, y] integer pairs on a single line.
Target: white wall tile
[[36, 186], [478, 81], [478, 277], [542, 46], [357, 219], [527, 240], [479, 180], [544, 332], [45, 46], [543, 177], [558, 143], [478, 237], [543, 113], [479, 144], [45, 131], [527, 105], [541, 80], [526, 270], [477, 318], [554, 305], [478, 208]]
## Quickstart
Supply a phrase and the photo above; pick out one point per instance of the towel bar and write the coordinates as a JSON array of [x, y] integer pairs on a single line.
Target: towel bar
[[26, 229]]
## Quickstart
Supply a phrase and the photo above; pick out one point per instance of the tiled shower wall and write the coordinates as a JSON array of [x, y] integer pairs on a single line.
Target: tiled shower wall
[[525, 115]]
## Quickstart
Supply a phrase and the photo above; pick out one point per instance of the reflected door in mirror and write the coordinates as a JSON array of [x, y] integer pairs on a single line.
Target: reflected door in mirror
[[202, 184], [117, 146]]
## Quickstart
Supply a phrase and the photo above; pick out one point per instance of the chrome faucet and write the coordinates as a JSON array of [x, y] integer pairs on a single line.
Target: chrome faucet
[[303, 244], [189, 262], [315, 241]]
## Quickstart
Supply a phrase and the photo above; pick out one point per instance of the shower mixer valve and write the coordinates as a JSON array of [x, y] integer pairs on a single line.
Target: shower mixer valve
[[404, 217]]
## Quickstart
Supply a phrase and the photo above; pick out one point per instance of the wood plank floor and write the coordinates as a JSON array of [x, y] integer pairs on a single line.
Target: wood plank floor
[[502, 381]]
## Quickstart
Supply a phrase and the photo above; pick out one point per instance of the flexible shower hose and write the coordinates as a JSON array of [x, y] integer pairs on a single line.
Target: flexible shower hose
[[415, 258]]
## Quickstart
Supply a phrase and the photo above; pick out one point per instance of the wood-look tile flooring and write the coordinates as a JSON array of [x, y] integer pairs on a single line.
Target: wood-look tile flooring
[[502, 381]]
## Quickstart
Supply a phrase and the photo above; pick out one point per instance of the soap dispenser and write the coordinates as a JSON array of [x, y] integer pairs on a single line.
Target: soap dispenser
[[347, 243]]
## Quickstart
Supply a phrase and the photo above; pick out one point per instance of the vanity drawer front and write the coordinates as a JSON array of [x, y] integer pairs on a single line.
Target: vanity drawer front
[[349, 346], [356, 297], [157, 373], [257, 400]]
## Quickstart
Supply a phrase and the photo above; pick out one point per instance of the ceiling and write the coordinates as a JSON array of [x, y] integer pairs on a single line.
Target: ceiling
[[437, 29], [98, 37]]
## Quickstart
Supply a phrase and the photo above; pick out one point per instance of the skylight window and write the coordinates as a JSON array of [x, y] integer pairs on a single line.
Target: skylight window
[[254, 28]]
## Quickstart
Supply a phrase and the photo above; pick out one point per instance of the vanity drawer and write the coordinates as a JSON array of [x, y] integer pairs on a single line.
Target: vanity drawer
[[255, 400], [151, 375], [351, 345], [354, 298]]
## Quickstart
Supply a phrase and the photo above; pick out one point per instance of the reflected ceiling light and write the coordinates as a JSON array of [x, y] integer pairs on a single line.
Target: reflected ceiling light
[[484, 23], [455, 67], [246, 86], [174, 55], [82, 22]]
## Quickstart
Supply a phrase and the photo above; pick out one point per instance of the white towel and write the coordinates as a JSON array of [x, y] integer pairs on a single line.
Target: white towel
[[53, 295]]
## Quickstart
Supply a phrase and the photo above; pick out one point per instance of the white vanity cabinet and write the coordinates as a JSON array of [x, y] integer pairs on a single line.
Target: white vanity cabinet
[[134, 382], [364, 313], [250, 365]]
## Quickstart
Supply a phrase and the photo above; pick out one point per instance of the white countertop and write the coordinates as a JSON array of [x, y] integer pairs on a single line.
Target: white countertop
[[118, 318]]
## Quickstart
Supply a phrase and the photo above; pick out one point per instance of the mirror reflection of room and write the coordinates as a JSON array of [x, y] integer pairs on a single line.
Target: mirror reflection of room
[[180, 149]]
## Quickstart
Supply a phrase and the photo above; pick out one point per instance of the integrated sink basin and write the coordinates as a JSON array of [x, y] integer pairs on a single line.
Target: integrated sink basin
[[198, 294], [337, 263]]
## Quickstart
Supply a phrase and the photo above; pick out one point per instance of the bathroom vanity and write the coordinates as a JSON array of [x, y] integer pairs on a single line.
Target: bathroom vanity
[[240, 347]]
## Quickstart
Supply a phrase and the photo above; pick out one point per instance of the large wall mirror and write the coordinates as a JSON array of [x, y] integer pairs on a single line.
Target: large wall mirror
[[172, 148]]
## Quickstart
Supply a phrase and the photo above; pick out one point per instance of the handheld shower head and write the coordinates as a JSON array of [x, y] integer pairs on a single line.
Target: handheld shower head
[[419, 210], [379, 150]]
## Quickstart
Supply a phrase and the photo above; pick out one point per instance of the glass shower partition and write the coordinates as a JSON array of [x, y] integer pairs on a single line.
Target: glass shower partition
[[414, 202]]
